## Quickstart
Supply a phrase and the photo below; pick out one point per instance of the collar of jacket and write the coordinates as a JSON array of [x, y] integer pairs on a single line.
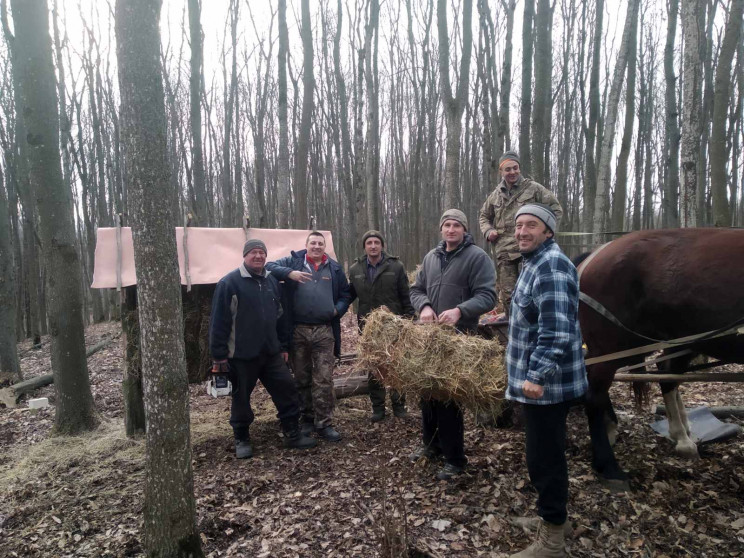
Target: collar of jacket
[[385, 257], [247, 274], [545, 246], [505, 189], [303, 253], [467, 241]]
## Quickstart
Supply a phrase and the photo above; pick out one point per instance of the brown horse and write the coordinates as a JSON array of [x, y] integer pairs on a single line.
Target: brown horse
[[660, 284]]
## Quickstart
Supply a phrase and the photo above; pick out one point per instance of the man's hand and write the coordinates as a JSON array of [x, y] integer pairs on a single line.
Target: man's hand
[[428, 316], [220, 367], [533, 391], [285, 356], [492, 236], [450, 316], [301, 276]]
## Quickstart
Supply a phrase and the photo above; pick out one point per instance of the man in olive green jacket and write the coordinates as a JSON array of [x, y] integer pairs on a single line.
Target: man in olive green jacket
[[379, 279], [497, 216]]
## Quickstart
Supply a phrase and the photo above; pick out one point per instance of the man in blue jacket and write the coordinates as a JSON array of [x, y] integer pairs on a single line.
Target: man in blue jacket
[[545, 365], [248, 341], [317, 296]]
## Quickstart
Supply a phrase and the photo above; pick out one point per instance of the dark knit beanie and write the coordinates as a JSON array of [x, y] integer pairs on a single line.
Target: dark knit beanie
[[373, 234], [509, 156], [253, 243]]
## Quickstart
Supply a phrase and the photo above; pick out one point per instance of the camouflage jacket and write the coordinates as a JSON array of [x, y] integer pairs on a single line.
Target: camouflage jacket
[[501, 206]]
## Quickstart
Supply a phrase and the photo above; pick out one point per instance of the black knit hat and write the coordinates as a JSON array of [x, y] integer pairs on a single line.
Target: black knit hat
[[373, 234], [253, 243]]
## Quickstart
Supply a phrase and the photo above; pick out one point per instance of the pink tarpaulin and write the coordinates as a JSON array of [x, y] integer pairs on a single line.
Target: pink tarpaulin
[[212, 252]]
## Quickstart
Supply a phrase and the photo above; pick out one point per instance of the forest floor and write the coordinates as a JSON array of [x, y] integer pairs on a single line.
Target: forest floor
[[83, 496]]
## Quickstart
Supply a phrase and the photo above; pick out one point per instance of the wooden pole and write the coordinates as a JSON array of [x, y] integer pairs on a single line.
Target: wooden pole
[[682, 378]]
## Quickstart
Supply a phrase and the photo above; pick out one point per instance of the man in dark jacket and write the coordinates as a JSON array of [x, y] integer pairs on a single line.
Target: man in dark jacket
[[317, 296], [455, 285], [248, 342], [379, 279]]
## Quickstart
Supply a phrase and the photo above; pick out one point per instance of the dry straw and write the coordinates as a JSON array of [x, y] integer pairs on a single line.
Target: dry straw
[[434, 361]]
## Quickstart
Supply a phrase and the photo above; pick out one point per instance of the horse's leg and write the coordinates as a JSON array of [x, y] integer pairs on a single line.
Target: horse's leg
[[603, 458], [610, 420], [677, 416], [683, 413]]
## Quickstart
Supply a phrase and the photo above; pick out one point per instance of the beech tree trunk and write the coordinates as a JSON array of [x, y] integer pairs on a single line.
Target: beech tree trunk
[[303, 141], [10, 368], [590, 172], [601, 213], [169, 508], [672, 135], [525, 112], [718, 156], [454, 105], [199, 203], [283, 162], [691, 109], [74, 410]]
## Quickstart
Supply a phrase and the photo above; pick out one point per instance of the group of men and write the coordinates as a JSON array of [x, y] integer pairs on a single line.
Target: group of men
[[259, 327]]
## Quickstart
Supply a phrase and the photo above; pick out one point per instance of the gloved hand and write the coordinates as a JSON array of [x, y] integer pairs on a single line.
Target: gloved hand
[[220, 367]]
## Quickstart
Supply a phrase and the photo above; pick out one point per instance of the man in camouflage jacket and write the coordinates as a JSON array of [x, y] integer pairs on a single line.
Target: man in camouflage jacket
[[497, 216]]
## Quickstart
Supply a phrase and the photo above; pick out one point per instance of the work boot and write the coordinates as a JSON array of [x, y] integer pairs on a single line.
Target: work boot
[[306, 428], [449, 471], [328, 433], [295, 439], [424, 452], [400, 411], [549, 543], [243, 449], [530, 525], [378, 415]]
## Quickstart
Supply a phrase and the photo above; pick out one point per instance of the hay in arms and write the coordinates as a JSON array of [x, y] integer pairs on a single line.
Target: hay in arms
[[434, 361]]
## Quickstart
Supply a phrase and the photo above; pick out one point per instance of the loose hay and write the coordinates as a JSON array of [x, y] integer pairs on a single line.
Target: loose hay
[[434, 361]]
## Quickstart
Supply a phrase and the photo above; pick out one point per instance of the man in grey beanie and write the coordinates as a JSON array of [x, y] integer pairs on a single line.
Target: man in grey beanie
[[454, 286], [249, 342], [497, 216]]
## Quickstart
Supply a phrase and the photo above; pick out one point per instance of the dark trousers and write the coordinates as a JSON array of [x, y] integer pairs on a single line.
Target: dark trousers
[[278, 381], [444, 429], [377, 395], [545, 429]]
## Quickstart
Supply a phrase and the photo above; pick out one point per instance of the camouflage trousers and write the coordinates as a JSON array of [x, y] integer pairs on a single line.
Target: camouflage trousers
[[507, 272], [311, 358]]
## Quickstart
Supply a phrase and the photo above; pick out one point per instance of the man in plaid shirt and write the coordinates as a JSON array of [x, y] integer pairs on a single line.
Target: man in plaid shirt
[[546, 369]]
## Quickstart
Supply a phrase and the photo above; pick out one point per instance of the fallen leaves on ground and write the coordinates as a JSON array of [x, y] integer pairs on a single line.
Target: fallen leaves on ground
[[345, 499]]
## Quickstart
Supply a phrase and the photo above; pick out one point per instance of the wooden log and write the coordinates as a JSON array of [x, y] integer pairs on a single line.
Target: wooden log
[[682, 378], [720, 412], [9, 396], [349, 386]]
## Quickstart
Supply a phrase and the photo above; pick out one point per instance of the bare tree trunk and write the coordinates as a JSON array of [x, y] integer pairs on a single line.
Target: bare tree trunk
[[283, 162], [590, 174], [10, 368], [621, 185], [543, 70], [672, 136], [75, 412], [528, 38], [503, 140], [691, 108], [303, 142], [718, 158], [229, 209], [169, 508], [454, 105], [608, 138], [131, 384], [199, 203], [372, 158]]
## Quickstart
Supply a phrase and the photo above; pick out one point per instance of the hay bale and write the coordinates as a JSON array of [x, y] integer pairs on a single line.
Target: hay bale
[[434, 361]]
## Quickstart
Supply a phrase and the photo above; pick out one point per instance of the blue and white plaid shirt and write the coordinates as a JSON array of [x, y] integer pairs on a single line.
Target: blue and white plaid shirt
[[544, 334]]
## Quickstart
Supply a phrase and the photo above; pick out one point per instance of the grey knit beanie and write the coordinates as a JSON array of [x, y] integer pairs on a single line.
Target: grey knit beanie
[[455, 214], [541, 211], [253, 243], [509, 156], [373, 234]]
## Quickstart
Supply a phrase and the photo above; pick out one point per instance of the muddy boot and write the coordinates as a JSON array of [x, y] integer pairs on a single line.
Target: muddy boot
[[531, 524], [297, 440], [399, 411], [378, 414], [243, 449], [549, 543]]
